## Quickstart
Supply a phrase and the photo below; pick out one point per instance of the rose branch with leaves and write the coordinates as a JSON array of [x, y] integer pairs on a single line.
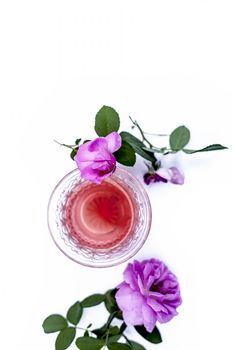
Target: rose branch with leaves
[[97, 159], [149, 294]]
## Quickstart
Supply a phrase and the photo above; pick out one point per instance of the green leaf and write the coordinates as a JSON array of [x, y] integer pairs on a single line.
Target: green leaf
[[54, 323], [136, 346], [153, 337], [137, 145], [77, 142], [86, 333], [114, 330], [101, 332], [179, 138], [126, 154], [110, 301], [114, 338], [119, 315], [89, 343], [106, 121], [65, 338], [214, 147], [74, 313], [93, 300], [73, 153], [118, 346]]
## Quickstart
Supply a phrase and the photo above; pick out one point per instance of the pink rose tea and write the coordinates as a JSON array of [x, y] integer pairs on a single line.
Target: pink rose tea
[[100, 216], [99, 225]]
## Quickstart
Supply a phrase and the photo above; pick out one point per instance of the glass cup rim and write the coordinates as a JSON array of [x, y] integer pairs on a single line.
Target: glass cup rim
[[146, 229]]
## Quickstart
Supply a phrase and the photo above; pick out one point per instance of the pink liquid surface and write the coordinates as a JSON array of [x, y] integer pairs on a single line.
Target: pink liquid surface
[[100, 216]]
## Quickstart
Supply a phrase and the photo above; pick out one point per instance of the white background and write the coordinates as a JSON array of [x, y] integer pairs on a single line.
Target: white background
[[165, 63]]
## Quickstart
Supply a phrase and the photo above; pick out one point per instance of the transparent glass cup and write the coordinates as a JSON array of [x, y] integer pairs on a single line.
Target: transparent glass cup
[[99, 225]]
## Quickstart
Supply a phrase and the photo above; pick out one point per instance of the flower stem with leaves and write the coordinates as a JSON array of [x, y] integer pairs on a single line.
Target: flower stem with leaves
[[107, 121], [108, 336]]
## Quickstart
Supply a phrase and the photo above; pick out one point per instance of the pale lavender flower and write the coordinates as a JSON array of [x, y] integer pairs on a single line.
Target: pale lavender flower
[[171, 174], [149, 293], [95, 159]]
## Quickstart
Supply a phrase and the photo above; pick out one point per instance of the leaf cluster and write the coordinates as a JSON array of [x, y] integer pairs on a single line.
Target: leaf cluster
[[178, 140], [107, 120], [108, 336]]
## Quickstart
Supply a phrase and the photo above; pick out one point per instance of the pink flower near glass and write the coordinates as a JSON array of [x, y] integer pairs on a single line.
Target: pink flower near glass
[[171, 174], [95, 159], [149, 293]]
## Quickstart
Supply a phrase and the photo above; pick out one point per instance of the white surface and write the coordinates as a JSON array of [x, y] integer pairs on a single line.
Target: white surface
[[165, 63]]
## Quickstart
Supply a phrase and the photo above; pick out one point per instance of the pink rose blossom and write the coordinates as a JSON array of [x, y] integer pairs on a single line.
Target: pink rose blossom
[[149, 293], [95, 159]]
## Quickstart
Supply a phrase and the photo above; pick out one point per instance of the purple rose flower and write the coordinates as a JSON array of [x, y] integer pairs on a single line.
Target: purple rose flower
[[149, 293], [95, 159], [171, 174]]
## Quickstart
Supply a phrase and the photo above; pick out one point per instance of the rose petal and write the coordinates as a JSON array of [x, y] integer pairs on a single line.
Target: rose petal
[[83, 154], [90, 174], [84, 165], [165, 317], [98, 145], [164, 173], [130, 302], [142, 289], [155, 305], [130, 277], [148, 178], [149, 317], [176, 176], [113, 141], [149, 282], [127, 298], [123, 295], [133, 317], [148, 269]]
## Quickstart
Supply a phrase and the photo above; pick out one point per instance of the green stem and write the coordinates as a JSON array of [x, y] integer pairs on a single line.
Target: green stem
[[106, 341], [128, 341], [144, 139], [111, 317], [152, 134], [168, 151], [157, 149], [63, 144], [84, 329], [163, 150]]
